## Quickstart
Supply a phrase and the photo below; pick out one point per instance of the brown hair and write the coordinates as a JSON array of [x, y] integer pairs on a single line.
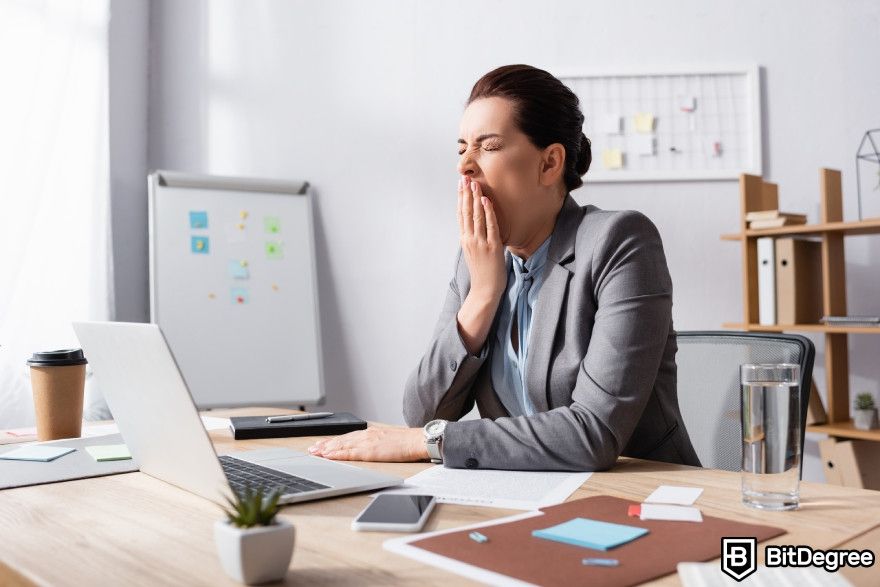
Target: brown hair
[[545, 110]]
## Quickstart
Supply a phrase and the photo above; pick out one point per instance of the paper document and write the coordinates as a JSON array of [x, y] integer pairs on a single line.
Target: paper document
[[678, 513], [675, 495], [521, 490]]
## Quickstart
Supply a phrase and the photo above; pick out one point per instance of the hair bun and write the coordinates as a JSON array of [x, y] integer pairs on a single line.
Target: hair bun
[[584, 157]]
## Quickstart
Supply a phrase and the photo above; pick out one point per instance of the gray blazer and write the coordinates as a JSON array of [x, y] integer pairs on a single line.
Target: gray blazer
[[601, 364]]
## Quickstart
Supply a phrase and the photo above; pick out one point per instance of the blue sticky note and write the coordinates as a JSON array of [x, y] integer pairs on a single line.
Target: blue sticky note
[[37, 452], [238, 269], [198, 219], [239, 295], [199, 244], [591, 533]]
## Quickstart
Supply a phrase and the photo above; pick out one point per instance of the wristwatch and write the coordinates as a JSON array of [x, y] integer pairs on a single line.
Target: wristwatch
[[434, 438]]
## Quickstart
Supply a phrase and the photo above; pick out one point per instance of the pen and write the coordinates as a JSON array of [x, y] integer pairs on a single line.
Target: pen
[[295, 417]]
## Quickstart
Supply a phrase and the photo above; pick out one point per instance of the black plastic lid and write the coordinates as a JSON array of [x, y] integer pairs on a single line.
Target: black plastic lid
[[58, 358]]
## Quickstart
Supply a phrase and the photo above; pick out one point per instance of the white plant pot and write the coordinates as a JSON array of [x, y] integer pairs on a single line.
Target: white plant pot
[[255, 555], [865, 419]]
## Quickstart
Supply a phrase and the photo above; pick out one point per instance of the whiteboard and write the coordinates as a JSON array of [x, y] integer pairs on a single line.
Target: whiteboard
[[233, 287], [704, 125]]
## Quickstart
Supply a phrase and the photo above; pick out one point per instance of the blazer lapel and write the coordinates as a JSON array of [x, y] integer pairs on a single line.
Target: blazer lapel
[[548, 306]]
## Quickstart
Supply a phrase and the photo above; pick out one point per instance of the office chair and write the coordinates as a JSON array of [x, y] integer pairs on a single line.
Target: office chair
[[709, 391]]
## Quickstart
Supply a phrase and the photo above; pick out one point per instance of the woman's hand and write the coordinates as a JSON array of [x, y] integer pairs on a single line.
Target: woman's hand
[[484, 255], [481, 241], [377, 443]]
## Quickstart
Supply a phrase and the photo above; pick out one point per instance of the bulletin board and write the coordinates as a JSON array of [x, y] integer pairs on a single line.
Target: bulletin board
[[233, 287], [684, 125]]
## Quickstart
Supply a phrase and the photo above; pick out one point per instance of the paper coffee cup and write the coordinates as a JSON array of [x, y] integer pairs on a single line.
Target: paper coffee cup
[[58, 381]]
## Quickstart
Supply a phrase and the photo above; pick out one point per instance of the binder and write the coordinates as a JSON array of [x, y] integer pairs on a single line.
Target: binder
[[852, 463], [798, 281], [766, 281]]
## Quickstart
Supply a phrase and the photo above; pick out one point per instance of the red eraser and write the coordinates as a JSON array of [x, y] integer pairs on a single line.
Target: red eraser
[[634, 510]]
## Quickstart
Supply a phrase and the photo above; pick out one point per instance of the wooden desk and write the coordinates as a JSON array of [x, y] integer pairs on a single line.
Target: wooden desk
[[135, 530]]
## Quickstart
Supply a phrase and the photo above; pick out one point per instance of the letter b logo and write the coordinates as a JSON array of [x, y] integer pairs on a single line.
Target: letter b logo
[[739, 557]]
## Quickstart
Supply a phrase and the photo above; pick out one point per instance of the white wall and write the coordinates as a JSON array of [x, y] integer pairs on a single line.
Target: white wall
[[363, 100]]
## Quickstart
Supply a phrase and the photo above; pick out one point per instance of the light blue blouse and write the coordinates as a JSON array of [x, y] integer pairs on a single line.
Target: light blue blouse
[[508, 365]]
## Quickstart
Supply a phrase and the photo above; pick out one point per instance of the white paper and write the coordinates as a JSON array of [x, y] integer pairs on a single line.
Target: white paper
[[214, 423], [675, 495], [711, 575], [645, 145], [677, 513], [609, 124], [522, 490], [402, 546]]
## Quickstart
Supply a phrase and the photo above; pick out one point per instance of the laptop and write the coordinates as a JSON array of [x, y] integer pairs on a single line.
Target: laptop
[[154, 410]]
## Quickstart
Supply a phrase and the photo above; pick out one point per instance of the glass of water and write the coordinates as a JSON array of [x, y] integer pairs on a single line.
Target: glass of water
[[771, 435]]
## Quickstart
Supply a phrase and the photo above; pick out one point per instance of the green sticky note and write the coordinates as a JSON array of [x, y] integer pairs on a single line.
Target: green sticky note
[[109, 452], [272, 224], [274, 250]]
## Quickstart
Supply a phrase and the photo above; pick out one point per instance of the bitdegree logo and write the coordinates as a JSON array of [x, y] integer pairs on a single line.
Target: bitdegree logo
[[805, 556]]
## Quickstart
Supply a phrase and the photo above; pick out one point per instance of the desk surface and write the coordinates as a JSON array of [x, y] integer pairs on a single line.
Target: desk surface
[[133, 529]]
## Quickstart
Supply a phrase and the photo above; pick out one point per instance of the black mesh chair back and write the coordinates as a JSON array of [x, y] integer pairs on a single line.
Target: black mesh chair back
[[709, 394]]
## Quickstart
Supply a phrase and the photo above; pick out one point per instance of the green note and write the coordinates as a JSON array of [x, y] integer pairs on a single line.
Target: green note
[[109, 452]]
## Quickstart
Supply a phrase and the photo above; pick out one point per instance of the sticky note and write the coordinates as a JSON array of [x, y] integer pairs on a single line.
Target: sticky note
[[239, 295], [199, 244], [590, 533], [198, 219], [646, 145], [676, 513], [612, 158], [675, 495], [238, 269], [274, 250], [243, 214], [687, 103], [644, 122], [272, 224], [37, 452], [609, 124], [109, 452]]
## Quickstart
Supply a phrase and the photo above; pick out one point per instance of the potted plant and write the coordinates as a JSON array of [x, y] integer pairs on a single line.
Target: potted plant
[[865, 415], [254, 547]]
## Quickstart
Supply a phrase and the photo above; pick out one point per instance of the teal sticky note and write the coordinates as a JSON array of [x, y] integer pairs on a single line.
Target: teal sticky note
[[109, 452], [274, 250], [238, 269], [272, 224], [239, 295], [37, 452], [199, 244], [590, 533], [198, 219]]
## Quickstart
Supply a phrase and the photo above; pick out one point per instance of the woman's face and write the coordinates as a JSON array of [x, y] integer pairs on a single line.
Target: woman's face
[[509, 168]]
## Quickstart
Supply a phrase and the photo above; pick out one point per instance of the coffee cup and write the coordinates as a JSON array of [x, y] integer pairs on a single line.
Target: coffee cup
[[58, 382]]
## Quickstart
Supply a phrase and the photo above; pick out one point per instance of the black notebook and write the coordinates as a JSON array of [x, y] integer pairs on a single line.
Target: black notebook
[[247, 427]]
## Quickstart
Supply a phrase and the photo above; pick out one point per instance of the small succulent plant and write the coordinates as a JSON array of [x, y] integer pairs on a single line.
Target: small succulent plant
[[864, 401], [252, 507]]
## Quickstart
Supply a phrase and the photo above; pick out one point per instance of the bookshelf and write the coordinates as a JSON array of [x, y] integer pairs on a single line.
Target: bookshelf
[[757, 194]]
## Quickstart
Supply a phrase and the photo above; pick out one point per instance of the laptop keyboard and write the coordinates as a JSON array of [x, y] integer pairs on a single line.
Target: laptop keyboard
[[242, 474]]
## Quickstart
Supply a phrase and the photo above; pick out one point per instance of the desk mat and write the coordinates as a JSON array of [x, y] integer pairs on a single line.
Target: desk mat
[[514, 552], [76, 465]]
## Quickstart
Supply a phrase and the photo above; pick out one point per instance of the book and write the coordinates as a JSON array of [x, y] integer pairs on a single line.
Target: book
[[776, 222], [766, 281], [772, 214], [851, 320]]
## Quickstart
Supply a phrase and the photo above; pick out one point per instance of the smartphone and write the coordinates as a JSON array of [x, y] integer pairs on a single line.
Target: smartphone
[[389, 512]]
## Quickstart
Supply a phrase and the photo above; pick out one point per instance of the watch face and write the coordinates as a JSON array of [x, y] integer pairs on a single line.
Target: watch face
[[435, 428]]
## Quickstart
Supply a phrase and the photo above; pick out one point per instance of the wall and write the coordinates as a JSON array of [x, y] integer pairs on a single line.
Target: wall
[[363, 100]]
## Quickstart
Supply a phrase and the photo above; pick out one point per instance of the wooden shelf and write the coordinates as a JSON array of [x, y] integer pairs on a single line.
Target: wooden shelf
[[871, 226], [845, 430], [804, 328]]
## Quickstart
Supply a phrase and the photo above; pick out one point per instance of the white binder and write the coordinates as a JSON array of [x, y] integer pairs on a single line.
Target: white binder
[[766, 281]]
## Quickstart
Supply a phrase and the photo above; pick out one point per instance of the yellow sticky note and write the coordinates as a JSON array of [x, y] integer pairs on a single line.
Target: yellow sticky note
[[644, 122], [243, 214], [612, 158]]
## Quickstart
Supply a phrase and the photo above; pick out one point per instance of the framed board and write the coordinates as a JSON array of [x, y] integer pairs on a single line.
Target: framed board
[[233, 287], [672, 125]]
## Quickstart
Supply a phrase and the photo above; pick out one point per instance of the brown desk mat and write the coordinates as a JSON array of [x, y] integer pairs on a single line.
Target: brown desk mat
[[513, 551]]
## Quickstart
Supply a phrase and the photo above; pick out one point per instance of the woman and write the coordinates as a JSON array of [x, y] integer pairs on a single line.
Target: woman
[[564, 340]]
